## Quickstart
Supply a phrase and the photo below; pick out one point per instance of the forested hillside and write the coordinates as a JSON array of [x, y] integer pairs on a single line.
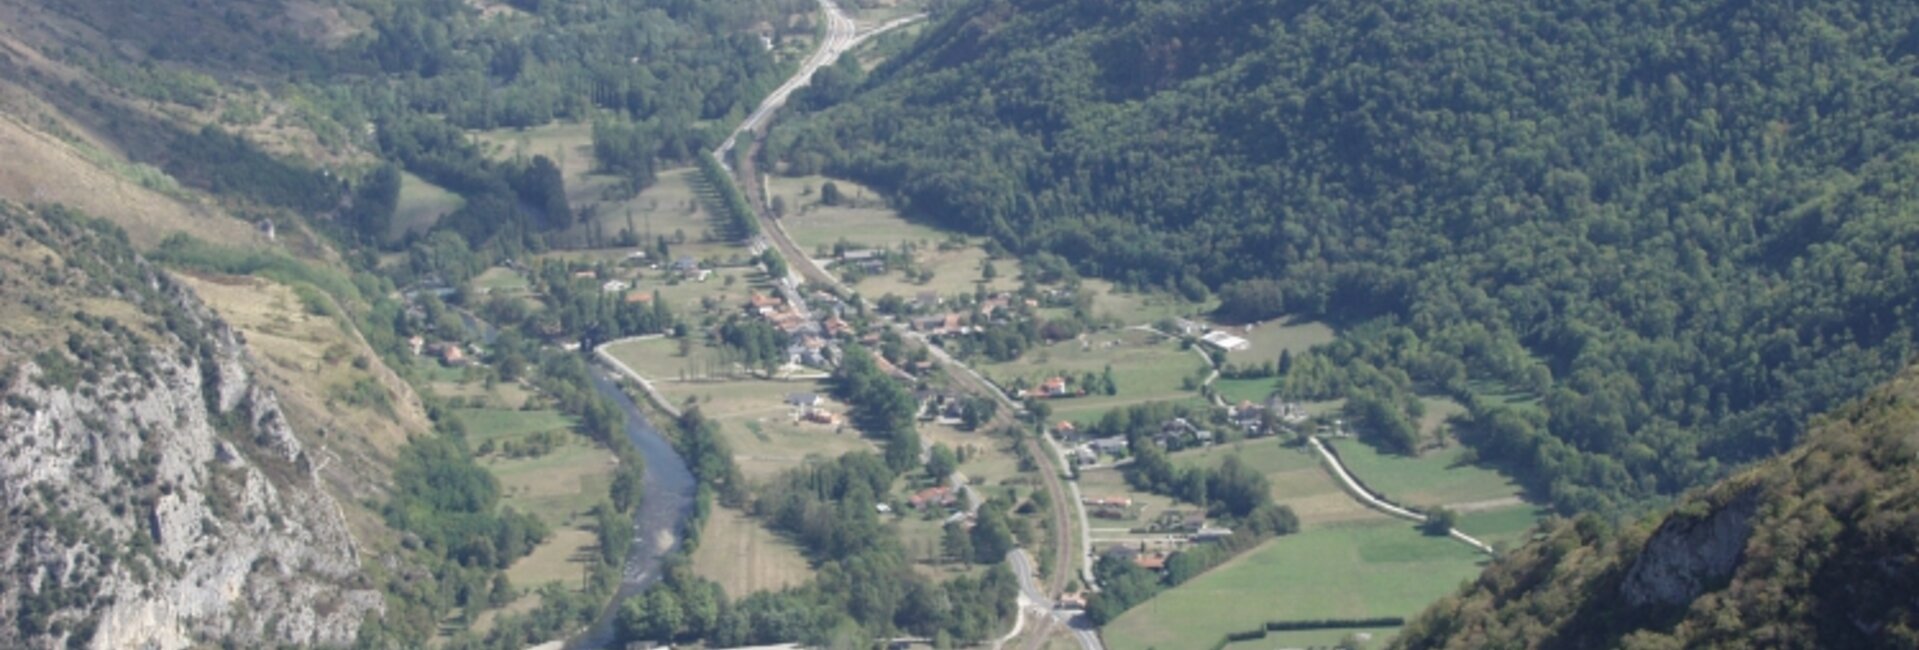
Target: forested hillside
[[1812, 550], [1682, 226]]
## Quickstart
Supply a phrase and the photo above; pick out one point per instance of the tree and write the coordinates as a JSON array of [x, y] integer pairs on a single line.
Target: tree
[[830, 194], [992, 535], [941, 462], [956, 544], [1439, 522], [664, 618], [987, 271], [374, 202]]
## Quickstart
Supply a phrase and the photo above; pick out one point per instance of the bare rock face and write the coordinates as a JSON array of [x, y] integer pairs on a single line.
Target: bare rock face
[[1687, 555], [154, 496]]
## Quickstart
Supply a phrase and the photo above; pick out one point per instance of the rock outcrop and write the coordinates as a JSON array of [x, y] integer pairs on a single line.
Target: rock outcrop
[[1688, 556], [154, 494]]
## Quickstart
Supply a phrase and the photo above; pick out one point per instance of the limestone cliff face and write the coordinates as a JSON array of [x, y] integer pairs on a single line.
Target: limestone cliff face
[[1687, 556], [154, 496]]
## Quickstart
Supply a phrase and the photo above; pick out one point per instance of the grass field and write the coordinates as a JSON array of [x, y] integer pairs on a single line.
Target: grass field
[[421, 205], [568, 144], [562, 558], [865, 219], [1346, 571], [1509, 526], [1143, 371], [677, 207], [744, 557], [495, 424], [559, 488], [1373, 637], [556, 487], [1490, 504], [1438, 410], [1268, 339], [766, 435], [501, 280], [1434, 479], [1298, 481], [1235, 391]]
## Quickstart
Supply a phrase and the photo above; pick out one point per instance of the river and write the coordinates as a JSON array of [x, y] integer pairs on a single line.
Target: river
[[667, 504]]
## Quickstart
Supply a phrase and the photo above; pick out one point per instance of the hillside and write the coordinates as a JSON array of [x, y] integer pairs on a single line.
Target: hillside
[[157, 493], [1679, 230], [1813, 549]]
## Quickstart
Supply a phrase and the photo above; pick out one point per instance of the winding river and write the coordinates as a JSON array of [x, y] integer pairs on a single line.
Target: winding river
[[667, 505]]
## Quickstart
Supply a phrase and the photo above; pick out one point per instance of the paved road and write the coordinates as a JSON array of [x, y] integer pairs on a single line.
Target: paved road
[[841, 35]]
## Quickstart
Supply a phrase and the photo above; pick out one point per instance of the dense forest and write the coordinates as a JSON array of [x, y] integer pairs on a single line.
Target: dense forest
[[1681, 227], [1814, 549]]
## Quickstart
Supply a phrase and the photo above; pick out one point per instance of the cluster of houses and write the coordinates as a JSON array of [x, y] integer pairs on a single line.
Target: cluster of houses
[[933, 322], [809, 341], [1250, 418]]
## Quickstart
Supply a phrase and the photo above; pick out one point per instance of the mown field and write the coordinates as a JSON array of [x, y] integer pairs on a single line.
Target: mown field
[[1346, 571]]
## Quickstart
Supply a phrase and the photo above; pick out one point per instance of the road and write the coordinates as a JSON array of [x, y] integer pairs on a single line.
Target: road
[[646, 385], [1047, 609], [841, 36]]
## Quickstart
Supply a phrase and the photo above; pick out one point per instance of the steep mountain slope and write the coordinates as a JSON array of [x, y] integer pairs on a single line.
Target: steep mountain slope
[[1682, 225], [1816, 549], [155, 494]]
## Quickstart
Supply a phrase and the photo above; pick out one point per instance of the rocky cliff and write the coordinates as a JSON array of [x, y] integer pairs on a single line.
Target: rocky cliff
[[154, 494]]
